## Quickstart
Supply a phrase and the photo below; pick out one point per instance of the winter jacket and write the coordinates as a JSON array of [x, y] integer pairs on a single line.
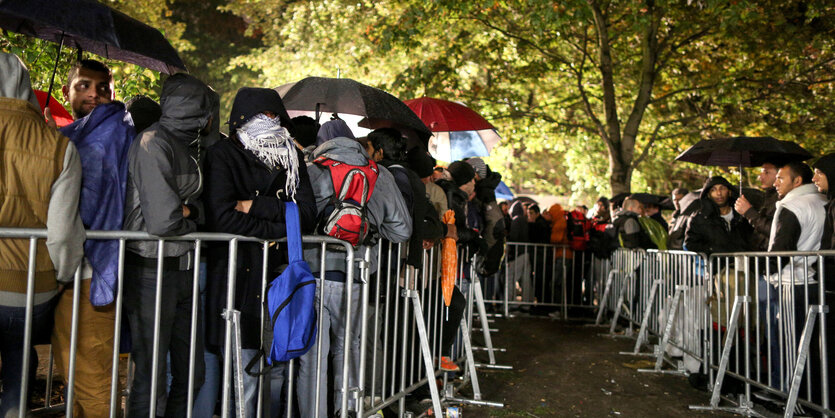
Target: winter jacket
[[559, 231], [163, 173], [827, 165], [103, 139], [387, 211], [629, 231], [708, 233], [519, 232], [40, 181], [426, 221], [760, 219], [485, 191], [459, 203], [797, 226]]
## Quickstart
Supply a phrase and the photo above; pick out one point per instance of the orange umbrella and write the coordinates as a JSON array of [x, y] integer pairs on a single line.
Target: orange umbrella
[[449, 260]]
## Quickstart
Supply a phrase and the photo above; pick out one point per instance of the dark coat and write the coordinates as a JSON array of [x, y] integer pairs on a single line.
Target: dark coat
[[708, 233], [232, 174], [760, 219], [827, 165]]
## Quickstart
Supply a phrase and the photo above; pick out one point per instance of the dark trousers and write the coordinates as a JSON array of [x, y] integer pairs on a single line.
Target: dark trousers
[[174, 337]]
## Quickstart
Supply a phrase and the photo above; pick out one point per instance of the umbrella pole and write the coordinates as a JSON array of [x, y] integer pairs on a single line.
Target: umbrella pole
[[740, 179], [54, 70]]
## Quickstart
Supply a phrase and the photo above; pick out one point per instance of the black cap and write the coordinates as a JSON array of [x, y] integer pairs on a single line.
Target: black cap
[[461, 172]]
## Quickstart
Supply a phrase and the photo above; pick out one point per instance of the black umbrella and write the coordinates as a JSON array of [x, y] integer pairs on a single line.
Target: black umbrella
[[343, 95], [92, 27], [743, 151]]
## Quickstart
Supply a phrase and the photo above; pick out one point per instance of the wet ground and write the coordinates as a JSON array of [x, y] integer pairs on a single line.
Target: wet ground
[[564, 369]]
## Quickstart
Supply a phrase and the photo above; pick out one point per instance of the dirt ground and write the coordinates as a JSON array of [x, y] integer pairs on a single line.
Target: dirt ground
[[564, 369]]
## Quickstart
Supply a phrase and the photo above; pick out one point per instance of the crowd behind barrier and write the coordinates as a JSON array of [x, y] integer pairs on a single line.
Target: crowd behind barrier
[[401, 331]]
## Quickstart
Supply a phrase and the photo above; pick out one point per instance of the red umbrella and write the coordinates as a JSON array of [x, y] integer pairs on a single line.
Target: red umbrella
[[59, 113], [459, 132]]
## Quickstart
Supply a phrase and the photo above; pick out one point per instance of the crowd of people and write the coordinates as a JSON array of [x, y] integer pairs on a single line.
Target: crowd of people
[[165, 169]]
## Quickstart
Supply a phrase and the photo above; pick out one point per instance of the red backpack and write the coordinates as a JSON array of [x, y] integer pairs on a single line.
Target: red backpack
[[345, 217]]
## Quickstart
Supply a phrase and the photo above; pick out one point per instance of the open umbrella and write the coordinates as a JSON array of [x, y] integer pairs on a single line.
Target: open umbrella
[[343, 95], [743, 151], [503, 192], [93, 27], [59, 113], [459, 132]]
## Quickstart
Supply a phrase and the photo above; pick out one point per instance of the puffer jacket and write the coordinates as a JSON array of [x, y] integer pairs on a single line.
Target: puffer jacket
[[708, 233], [559, 231], [163, 173]]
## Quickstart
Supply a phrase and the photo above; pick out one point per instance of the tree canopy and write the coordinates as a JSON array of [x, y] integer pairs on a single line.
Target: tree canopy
[[595, 97]]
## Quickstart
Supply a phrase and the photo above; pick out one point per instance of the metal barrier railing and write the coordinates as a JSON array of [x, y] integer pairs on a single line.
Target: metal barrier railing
[[759, 319], [392, 348]]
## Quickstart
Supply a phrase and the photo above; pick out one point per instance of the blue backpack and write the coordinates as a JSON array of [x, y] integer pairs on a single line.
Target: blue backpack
[[290, 303]]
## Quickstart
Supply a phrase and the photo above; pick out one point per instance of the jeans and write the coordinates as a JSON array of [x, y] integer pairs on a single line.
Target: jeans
[[250, 395], [174, 337], [12, 323], [332, 336]]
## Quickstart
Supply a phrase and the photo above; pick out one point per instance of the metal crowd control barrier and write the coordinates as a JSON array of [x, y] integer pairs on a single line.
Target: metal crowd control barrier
[[769, 330], [231, 315], [546, 276]]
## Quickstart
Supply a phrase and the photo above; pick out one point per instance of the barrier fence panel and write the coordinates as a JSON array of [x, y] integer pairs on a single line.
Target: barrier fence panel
[[775, 347]]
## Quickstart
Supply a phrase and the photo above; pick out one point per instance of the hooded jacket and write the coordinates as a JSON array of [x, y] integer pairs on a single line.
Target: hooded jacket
[[708, 233], [40, 181], [103, 139], [387, 211], [163, 172], [827, 165], [559, 231]]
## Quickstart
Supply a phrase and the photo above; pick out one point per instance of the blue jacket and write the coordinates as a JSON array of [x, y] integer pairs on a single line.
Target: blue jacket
[[103, 138]]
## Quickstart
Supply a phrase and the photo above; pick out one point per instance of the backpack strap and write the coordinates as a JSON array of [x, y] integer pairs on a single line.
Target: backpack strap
[[294, 232]]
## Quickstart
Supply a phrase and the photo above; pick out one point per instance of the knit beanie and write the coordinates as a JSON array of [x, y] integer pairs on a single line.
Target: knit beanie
[[461, 173], [478, 165], [421, 162]]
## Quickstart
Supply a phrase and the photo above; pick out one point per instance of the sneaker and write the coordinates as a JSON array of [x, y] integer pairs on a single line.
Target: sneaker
[[448, 365]]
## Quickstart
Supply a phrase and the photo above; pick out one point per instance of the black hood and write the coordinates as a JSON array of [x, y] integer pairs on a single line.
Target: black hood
[[827, 165], [187, 104], [708, 207]]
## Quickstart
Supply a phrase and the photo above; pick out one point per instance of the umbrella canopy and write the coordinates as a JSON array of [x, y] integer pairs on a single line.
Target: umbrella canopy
[[459, 132], [59, 113], [343, 95], [92, 27], [503, 192], [743, 151]]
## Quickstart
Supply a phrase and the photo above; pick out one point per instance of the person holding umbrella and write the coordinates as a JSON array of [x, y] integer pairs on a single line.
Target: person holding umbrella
[[40, 189], [760, 218]]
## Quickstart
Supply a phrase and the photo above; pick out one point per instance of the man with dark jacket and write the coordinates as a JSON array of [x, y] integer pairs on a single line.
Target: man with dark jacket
[[460, 191], [164, 183], [628, 228], [716, 227], [249, 177], [760, 218]]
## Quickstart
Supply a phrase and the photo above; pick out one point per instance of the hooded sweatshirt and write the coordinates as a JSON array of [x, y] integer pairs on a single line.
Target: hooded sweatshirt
[[387, 211], [163, 173], [827, 165], [40, 181], [707, 232], [559, 231]]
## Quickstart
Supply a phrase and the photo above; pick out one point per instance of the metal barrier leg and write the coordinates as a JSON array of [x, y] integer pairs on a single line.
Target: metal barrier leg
[[618, 307], [482, 315], [642, 334], [802, 354], [661, 349], [744, 408], [604, 300], [425, 351], [468, 351], [234, 316]]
